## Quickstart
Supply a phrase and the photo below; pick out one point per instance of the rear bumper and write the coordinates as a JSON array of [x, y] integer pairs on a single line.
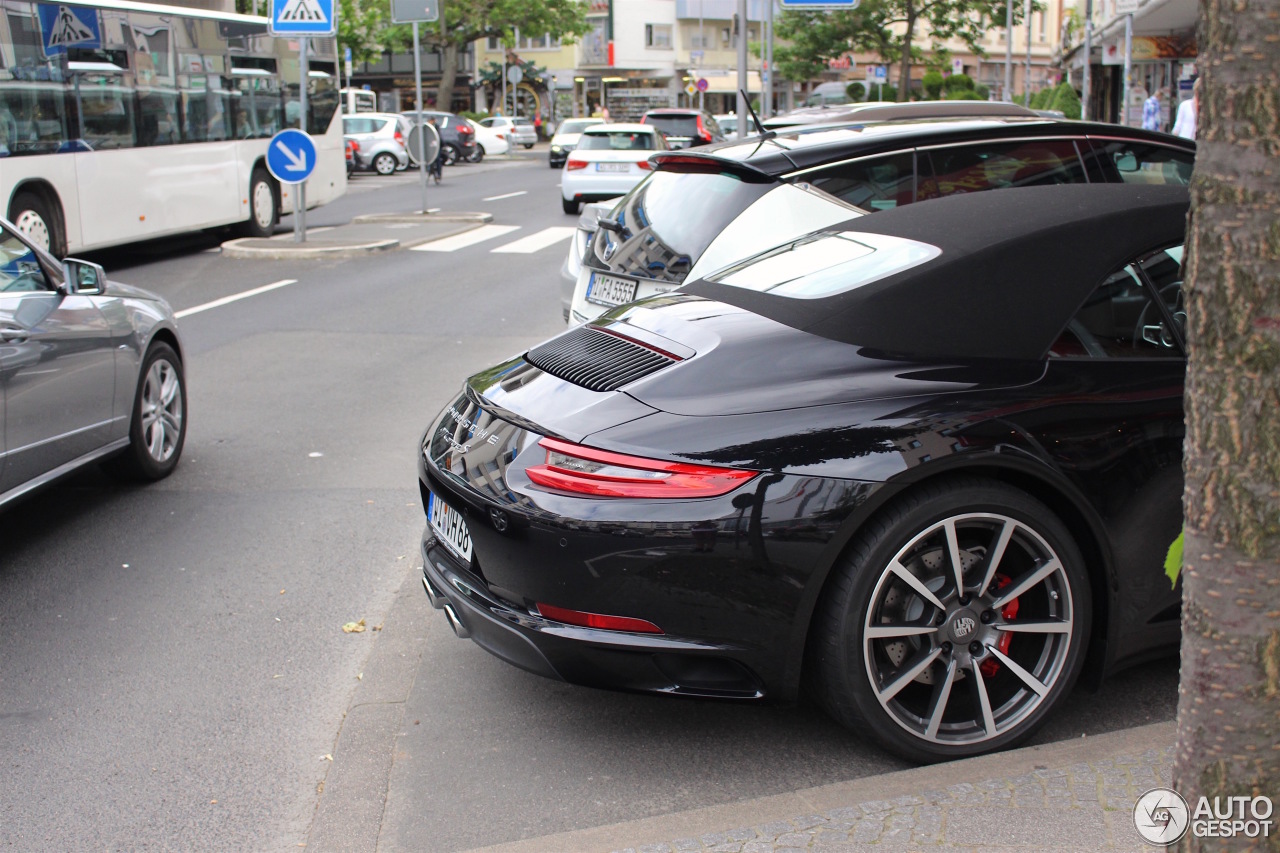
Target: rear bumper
[[608, 659]]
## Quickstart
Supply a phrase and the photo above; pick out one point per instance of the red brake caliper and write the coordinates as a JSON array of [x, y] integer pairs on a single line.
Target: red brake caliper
[[991, 666]]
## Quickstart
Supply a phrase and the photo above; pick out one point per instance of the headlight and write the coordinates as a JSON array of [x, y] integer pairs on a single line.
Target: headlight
[[555, 147]]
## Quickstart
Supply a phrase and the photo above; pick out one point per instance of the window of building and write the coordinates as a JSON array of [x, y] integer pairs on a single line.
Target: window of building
[[657, 36]]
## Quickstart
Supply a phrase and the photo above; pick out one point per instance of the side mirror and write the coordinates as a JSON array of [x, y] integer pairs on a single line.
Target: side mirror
[[83, 276], [1126, 162]]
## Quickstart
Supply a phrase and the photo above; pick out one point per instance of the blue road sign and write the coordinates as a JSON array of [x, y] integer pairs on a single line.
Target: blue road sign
[[302, 18], [64, 26], [291, 156]]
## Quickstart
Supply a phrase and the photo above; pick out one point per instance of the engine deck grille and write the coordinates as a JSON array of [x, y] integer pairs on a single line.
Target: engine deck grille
[[596, 359]]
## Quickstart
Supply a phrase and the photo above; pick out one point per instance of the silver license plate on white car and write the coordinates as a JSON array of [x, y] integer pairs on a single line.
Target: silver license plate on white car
[[449, 527], [609, 290], [613, 167]]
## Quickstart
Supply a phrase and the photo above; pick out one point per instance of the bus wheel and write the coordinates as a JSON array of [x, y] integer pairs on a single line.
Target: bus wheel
[[38, 223], [263, 212]]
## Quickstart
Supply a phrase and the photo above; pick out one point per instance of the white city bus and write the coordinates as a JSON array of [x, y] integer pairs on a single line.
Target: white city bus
[[123, 121]]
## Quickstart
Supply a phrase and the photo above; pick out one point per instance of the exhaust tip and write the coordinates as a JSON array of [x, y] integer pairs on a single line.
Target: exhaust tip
[[455, 623], [432, 596]]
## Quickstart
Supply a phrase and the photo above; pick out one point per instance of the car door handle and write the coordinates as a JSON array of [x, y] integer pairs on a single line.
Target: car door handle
[[12, 335]]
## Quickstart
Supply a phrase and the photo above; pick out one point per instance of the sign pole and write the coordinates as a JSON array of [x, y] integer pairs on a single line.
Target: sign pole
[[422, 133], [300, 197]]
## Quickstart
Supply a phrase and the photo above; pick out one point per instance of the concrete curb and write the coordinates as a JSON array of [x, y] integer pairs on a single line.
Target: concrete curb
[[656, 831], [252, 248]]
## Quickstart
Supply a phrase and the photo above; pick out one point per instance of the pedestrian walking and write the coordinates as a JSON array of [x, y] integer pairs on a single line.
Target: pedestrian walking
[[1151, 112], [1188, 113]]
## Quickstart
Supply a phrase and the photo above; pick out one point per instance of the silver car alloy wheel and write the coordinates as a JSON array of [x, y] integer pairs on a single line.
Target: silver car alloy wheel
[[162, 410], [33, 226], [968, 629]]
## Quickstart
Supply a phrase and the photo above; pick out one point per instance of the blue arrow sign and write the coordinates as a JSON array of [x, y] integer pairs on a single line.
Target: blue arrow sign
[[291, 156], [302, 18]]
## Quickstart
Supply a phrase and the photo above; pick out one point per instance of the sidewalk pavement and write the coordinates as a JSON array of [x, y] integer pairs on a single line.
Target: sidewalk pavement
[[377, 232], [1075, 795]]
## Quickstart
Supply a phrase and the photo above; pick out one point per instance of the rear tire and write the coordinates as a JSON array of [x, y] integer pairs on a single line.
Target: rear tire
[[528, 145], [158, 428], [264, 206], [449, 154], [384, 163], [38, 223], [476, 155], [570, 206], [977, 674]]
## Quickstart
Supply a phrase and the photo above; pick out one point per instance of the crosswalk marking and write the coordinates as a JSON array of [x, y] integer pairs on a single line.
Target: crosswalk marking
[[541, 240], [466, 238]]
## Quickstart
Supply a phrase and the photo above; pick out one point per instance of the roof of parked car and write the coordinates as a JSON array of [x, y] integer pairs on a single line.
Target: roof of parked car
[[620, 127], [793, 149]]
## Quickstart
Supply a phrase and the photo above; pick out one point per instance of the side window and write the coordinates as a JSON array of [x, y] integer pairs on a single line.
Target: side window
[[1139, 163], [20, 270], [158, 122], [106, 111], [873, 184], [377, 124], [994, 166], [1125, 318]]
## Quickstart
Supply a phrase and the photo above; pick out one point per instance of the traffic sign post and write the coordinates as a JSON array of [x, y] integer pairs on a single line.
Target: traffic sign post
[[301, 18], [291, 158], [416, 12]]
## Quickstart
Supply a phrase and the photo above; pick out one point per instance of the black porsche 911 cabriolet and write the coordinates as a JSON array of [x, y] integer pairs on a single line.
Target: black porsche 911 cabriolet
[[926, 463]]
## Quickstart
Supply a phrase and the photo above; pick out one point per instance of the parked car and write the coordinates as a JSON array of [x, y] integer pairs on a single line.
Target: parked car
[[610, 159], [728, 124], [518, 129], [926, 464], [685, 128], [457, 138], [566, 139], [350, 147], [875, 165], [488, 141], [92, 371], [381, 140]]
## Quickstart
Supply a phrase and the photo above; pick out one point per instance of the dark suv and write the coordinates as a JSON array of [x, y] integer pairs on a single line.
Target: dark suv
[[656, 233], [685, 128], [457, 138]]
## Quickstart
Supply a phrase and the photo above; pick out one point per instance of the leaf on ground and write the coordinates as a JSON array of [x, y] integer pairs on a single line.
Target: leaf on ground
[[354, 627]]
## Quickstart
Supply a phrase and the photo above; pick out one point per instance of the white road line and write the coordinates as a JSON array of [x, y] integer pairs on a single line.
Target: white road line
[[235, 297], [508, 195], [466, 238], [544, 238]]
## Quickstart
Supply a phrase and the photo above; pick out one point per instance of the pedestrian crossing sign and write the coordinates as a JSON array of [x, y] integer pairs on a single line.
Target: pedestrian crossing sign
[[302, 18]]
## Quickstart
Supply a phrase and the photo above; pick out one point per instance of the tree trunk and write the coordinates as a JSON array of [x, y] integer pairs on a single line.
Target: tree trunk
[[1229, 697], [904, 69], [448, 76]]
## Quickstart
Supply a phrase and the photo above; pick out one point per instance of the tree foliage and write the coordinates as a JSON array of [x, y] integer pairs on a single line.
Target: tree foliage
[[1066, 100], [365, 27], [467, 21], [888, 28]]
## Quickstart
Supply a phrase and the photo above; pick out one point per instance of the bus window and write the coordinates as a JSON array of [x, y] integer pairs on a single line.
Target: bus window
[[105, 105], [33, 118], [259, 110], [204, 108], [322, 98], [158, 122]]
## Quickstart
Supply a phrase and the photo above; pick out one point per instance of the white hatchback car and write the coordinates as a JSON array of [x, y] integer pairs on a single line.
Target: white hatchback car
[[489, 142], [610, 159], [518, 130]]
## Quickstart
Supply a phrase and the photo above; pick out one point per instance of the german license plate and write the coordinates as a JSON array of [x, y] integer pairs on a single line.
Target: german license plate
[[607, 290], [449, 528], [613, 167]]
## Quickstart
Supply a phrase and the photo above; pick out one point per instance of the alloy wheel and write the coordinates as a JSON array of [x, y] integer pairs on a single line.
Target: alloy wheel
[[161, 410], [969, 628]]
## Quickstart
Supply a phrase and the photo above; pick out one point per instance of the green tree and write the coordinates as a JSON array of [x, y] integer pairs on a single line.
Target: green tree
[[1066, 99], [1229, 695], [956, 84], [888, 28], [467, 21], [932, 83], [365, 27]]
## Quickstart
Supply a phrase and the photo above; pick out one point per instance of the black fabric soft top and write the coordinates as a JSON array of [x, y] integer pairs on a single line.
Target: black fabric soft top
[[1015, 265]]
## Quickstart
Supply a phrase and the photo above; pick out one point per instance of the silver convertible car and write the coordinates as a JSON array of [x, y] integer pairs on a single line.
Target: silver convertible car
[[89, 370]]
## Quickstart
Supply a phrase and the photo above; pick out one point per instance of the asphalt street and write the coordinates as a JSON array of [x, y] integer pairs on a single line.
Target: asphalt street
[[173, 670]]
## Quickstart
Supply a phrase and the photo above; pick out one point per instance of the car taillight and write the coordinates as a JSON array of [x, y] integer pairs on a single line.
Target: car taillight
[[597, 620], [702, 131], [355, 146], [575, 164], [602, 473], [463, 130], [399, 137], [645, 164], [502, 136]]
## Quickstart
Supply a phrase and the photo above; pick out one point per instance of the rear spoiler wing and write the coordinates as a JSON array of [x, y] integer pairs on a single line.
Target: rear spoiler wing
[[694, 163]]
